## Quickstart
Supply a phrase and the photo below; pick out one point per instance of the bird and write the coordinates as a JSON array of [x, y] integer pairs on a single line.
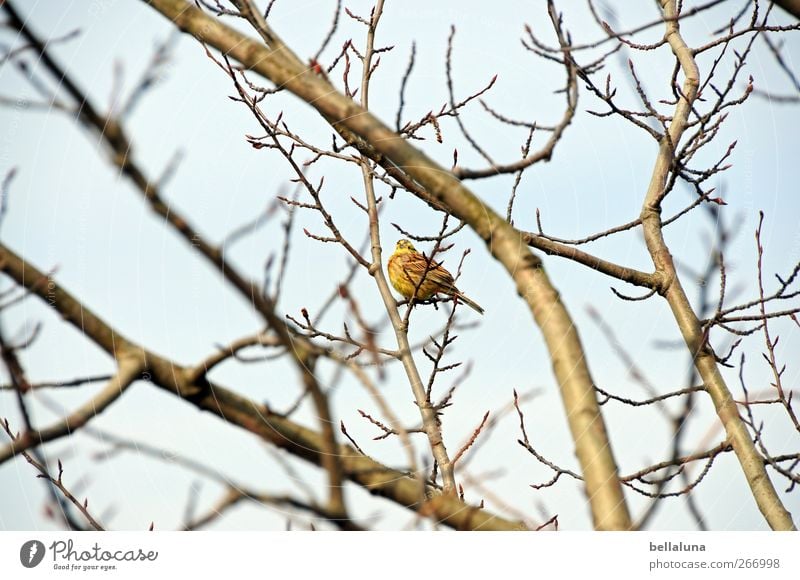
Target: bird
[[406, 266]]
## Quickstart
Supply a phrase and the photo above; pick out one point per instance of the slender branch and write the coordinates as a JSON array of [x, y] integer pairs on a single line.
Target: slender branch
[[430, 420], [130, 370], [231, 407], [437, 186], [570, 90], [704, 359], [57, 481]]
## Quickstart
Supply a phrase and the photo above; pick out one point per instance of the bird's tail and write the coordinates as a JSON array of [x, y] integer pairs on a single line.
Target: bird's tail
[[469, 302]]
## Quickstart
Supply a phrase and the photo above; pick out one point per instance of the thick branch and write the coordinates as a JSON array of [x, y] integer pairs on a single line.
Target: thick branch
[[259, 419], [130, 369], [791, 6], [118, 142], [374, 139], [704, 360], [624, 273]]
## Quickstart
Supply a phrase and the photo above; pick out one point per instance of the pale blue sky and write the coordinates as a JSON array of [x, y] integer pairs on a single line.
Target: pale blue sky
[[68, 208]]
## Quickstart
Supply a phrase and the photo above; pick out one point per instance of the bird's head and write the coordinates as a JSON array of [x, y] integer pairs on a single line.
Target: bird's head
[[404, 247]]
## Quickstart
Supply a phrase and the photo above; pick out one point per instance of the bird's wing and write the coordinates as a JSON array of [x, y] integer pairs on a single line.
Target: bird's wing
[[442, 278], [415, 265]]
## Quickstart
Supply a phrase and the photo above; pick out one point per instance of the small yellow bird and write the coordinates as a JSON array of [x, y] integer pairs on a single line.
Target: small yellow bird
[[406, 266]]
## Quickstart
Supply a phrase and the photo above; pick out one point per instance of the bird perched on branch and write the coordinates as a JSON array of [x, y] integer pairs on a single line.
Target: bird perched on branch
[[406, 268]]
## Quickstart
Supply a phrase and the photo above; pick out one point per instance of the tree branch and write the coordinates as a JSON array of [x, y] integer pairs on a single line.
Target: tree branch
[[377, 141], [704, 360], [232, 408]]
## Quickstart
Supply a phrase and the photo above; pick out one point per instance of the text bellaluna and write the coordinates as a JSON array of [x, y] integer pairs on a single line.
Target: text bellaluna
[[679, 547]]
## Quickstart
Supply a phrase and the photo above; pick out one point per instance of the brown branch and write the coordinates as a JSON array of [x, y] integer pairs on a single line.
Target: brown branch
[[723, 447], [430, 419], [791, 6], [471, 441], [704, 359], [232, 350], [777, 373], [525, 442], [611, 35], [629, 275], [434, 184], [235, 495], [608, 396], [232, 408], [571, 92], [83, 507], [78, 382], [114, 136], [130, 370]]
